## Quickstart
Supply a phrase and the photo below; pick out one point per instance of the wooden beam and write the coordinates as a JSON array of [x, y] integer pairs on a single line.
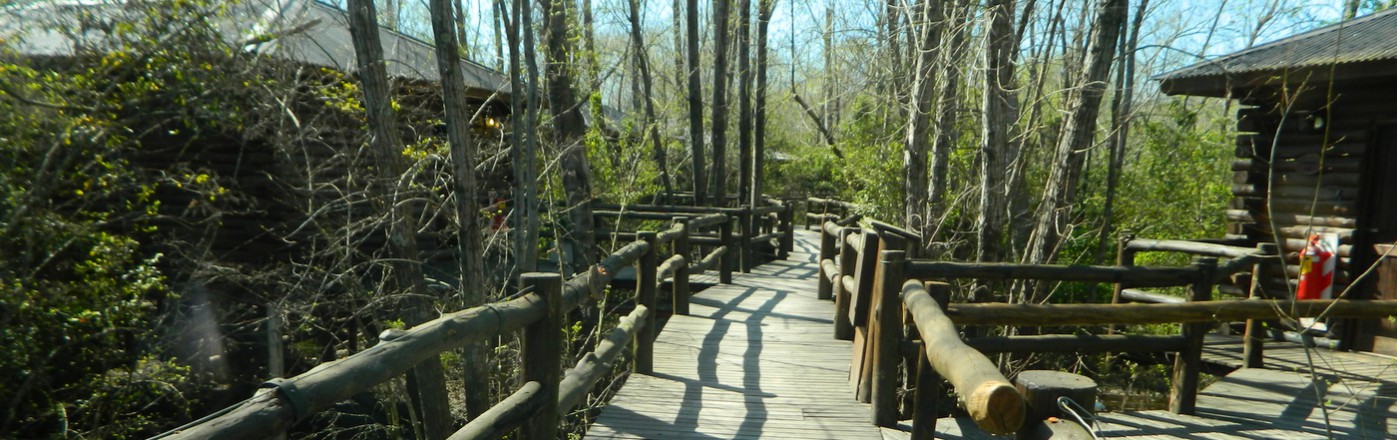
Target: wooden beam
[[1209, 311], [502, 418], [542, 350], [1191, 247], [1077, 343], [1137, 276]]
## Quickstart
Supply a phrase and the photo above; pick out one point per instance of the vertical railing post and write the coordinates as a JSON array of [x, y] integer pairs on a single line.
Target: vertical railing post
[[788, 237], [680, 284], [927, 398], [543, 351], [1254, 338], [848, 260], [744, 242], [729, 259], [887, 343], [1183, 394], [826, 283], [645, 296], [1124, 257]]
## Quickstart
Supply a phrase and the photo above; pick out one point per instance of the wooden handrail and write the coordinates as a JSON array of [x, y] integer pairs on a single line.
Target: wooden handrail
[[1140, 276], [594, 365], [1190, 247], [502, 418], [994, 404], [1201, 311]]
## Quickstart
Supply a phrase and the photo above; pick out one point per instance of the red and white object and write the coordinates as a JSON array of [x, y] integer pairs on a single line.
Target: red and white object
[[1317, 267]]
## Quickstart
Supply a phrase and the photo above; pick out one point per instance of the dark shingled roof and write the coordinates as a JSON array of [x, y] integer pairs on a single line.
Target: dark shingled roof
[[1345, 44]]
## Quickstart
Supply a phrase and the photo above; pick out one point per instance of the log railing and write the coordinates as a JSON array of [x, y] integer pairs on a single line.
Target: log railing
[[1250, 266], [752, 228], [818, 211], [546, 392], [886, 302]]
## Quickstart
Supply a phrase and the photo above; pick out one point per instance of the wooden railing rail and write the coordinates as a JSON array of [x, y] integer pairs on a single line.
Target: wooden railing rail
[[546, 391], [1242, 275]]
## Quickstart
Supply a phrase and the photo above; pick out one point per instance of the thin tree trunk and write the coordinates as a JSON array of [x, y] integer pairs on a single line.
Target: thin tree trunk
[[947, 113], [917, 141], [764, 11], [1120, 122], [1052, 216], [695, 104], [1000, 110], [642, 63], [498, 22], [744, 99], [471, 282], [428, 380], [568, 131], [721, 16]]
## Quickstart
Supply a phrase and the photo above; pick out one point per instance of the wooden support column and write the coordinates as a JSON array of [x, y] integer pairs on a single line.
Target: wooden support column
[[680, 285], [729, 259], [1183, 394], [646, 284], [543, 351], [744, 243], [827, 282], [887, 346], [927, 396], [1124, 257], [1254, 338], [843, 327], [788, 239]]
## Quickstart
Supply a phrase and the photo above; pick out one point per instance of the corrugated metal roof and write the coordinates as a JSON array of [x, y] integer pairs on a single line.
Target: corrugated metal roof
[[1368, 38], [321, 36]]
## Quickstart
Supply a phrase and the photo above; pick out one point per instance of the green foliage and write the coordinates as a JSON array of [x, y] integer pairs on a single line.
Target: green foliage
[[82, 287]]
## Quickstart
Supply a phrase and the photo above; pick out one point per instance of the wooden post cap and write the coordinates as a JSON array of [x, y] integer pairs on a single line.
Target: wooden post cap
[[1042, 388]]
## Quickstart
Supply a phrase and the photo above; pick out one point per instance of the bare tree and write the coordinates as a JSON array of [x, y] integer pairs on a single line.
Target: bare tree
[[695, 103], [1000, 110], [470, 253], [744, 99], [952, 56], [764, 11], [721, 16], [642, 63], [1121, 108], [1078, 135], [568, 131], [427, 381], [930, 15]]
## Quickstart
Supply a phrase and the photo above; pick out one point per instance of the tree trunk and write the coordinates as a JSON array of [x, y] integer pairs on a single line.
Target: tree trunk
[[642, 63], [568, 131], [1001, 108], [764, 11], [1120, 123], [522, 137], [947, 113], [472, 280], [428, 381], [927, 21], [744, 100], [1079, 129], [721, 16], [695, 104]]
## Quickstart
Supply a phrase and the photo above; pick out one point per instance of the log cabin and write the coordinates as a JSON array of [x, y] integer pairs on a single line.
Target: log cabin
[[1316, 152]]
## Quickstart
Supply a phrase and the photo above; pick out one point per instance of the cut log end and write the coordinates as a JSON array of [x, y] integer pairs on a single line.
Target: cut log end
[[996, 407]]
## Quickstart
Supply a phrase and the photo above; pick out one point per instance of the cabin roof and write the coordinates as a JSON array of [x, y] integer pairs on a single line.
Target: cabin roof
[[306, 31], [1355, 49]]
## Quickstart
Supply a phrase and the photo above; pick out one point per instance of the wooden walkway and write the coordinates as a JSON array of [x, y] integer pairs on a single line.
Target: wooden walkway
[[756, 359], [753, 359]]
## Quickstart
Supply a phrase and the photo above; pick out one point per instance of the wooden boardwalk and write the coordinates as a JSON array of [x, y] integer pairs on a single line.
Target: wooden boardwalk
[[756, 359]]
